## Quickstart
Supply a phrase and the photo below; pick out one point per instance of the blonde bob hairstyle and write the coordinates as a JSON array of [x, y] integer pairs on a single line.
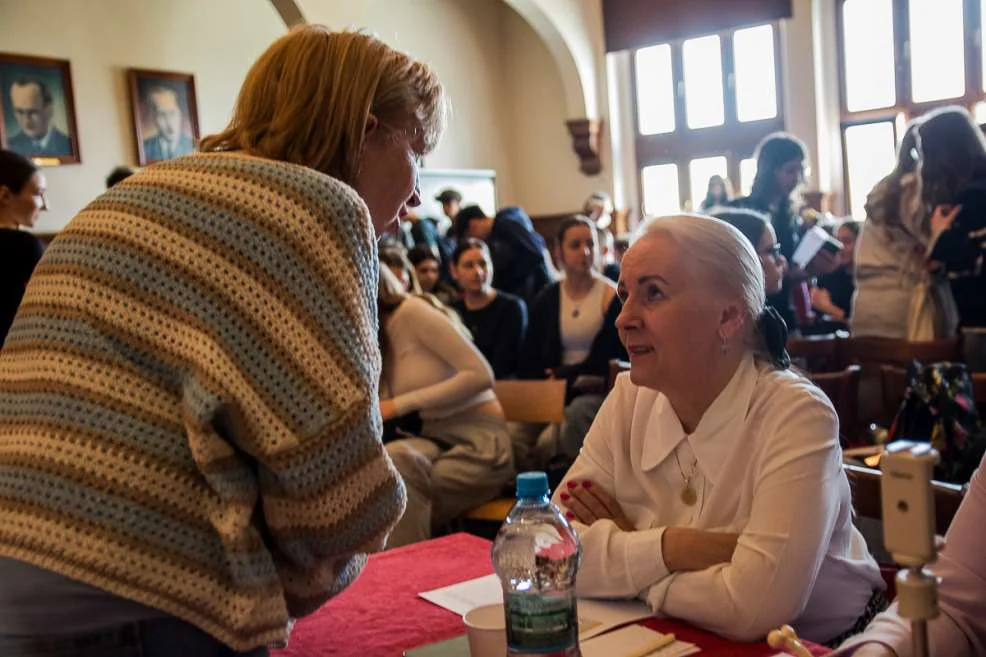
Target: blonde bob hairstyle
[[309, 97], [722, 253]]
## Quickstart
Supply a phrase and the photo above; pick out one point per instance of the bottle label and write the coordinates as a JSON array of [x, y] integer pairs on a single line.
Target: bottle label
[[541, 624]]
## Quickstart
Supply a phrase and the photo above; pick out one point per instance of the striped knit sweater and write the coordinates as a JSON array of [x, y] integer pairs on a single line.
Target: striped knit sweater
[[188, 397]]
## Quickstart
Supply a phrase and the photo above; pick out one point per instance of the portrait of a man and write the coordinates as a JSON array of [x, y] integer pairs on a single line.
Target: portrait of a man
[[38, 117], [165, 118]]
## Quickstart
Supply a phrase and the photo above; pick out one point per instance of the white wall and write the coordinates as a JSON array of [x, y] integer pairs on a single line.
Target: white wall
[[546, 171], [217, 40]]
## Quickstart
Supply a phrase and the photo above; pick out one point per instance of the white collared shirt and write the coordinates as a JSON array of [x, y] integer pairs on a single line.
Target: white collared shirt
[[768, 466]]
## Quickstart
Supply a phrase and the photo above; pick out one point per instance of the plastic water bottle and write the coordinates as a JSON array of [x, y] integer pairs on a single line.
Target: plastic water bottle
[[536, 555]]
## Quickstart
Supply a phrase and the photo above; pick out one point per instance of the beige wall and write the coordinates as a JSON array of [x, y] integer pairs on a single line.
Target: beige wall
[[217, 40]]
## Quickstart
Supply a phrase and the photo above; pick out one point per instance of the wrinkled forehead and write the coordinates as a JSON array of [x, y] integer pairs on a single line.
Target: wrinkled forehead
[[652, 254]]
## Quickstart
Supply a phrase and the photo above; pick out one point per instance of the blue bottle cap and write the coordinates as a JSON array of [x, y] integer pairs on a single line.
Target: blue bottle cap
[[532, 484]]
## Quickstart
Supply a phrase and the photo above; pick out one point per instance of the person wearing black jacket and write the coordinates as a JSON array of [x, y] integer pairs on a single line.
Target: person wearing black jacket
[[22, 199], [952, 152], [572, 331], [496, 320]]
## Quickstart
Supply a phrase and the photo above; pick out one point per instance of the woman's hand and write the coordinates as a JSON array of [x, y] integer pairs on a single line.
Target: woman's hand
[[821, 299], [387, 409], [586, 503], [942, 218]]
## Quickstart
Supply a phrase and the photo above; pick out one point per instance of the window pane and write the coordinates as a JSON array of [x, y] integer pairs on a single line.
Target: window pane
[[868, 58], [937, 49], [655, 90], [748, 170], [982, 31], [702, 59], [756, 82], [660, 182], [870, 155], [699, 171]]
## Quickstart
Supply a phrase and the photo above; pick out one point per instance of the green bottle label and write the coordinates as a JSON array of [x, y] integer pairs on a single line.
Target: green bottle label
[[541, 624]]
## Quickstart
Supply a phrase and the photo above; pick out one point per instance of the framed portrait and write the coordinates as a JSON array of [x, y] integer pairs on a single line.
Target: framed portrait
[[37, 112], [166, 116]]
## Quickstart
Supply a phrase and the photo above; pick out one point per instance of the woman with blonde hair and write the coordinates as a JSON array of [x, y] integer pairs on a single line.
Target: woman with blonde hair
[[462, 457], [189, 402], [711, 484]]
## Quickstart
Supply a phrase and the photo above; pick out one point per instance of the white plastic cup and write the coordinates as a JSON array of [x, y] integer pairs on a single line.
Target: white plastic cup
[[486, 628]]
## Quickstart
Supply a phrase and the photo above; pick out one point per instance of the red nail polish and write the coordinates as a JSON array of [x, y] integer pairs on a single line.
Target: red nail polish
[[587, 484], [570, 515], [565, 497], [572, 484]]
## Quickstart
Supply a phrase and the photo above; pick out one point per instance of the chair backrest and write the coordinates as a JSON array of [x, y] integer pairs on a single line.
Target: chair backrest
[[979, 387], [893, 383], [818, 353], [842, 389], [616, 367], [887, 351], [532, 401], [865, 483]]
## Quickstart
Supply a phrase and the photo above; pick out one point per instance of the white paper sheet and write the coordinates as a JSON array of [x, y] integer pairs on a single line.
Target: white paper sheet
[[809, 246], [595, 616]]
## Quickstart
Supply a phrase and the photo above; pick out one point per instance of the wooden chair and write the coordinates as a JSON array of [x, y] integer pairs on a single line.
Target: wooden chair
[[818, 353], [522, 401], [842, 389], [979, 390], [886, 351], [866, 500], [616, 367]]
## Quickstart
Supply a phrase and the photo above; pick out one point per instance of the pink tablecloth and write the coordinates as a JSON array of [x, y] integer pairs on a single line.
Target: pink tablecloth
[[381, 614]]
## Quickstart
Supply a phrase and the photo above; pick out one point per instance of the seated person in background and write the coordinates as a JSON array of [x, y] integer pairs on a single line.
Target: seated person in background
[[395, 257], [960, 629], [496, 320], [521, 263], [834, 292], [572, 334], [711, 483], [756, 228], [608, 265], [462, 457], [427, 267]]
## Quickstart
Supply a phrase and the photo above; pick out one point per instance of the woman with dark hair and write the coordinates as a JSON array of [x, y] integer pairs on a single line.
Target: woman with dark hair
[[832, 296], [427, 268], [896, 296], [497, 320], [756, 227], [711, 483], [572, 332], [717, 193], [22, 199], [395, 257], [780, 171], [953, 188]]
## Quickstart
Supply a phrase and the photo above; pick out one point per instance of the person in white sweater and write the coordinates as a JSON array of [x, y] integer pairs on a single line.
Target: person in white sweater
[[711, 484], [462, 457]]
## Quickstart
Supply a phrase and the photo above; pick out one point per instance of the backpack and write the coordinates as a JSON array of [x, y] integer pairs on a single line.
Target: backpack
[[938, 407]]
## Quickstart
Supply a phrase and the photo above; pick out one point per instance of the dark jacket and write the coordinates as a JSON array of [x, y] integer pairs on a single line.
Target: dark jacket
[[543, 349], [518, 253], [962, 250]]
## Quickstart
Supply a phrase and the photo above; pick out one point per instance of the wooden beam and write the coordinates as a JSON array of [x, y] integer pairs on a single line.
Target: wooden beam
[[290, 12]]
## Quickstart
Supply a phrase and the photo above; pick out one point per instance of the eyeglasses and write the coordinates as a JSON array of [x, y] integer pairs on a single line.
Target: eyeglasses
[[773, 252]]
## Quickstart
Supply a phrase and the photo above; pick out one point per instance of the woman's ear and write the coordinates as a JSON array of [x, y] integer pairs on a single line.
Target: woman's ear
[[5, 195], [372, 123], [731, 322]]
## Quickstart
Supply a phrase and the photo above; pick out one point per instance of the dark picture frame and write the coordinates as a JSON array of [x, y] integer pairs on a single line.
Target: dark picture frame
[[37, 109], [165, 114]]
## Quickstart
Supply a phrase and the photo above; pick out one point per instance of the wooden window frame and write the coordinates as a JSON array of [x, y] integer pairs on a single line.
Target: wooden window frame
[[904, 106], [733, 139]]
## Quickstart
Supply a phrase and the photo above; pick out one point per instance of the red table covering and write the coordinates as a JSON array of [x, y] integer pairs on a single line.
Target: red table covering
[[381, 614]]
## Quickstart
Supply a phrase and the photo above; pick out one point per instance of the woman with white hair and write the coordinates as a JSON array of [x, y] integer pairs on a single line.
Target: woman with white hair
[[711, 483]]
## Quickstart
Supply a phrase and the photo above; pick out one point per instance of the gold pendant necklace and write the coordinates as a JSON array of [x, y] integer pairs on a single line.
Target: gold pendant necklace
[[688, 494]]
